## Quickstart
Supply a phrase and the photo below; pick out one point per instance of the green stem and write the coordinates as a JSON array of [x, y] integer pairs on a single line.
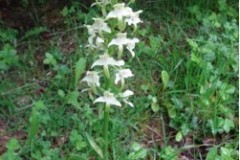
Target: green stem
[[122, 84], [106, 119], [106, 72], [134, 30], [120, 51], [104, 12], [94, 89], [121, 25]]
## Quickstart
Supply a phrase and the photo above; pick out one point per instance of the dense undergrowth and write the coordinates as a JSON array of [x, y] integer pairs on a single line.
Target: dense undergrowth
[[185, 85]]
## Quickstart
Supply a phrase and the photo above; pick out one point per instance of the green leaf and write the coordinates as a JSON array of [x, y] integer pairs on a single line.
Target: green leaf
[[155, 43], [144, 87], [178, 137], [226, 154], [61, 93], [228, 88], [79, 69], [172, 113], [13, 144], [76, 157], [228, 125], [77, 140], [169, 153], [39, 105], [193, 44], [72, 98], [212, 154], [177, 102], [195, 59], [35, 119], [49, 59], [185, 129], [165, 79], [95, 147], [155, 107], [136, 146], [8, 56], [34, 32], [64, 12], [139, 152], [8, 34], [34, 124]]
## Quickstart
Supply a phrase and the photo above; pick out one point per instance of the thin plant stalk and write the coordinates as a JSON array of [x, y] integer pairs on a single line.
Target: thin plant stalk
[[106, 124]]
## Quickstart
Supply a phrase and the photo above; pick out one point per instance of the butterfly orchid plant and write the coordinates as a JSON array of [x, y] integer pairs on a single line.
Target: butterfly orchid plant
[[109, 37]]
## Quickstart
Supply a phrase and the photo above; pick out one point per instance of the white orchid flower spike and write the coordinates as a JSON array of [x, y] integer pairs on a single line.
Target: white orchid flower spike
[[119, 11], [92, 78], [106, 60], [122, 74], [108, 98]]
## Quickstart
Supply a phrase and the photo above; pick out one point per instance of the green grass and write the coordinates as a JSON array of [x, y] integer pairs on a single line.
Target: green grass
[[197, 111]]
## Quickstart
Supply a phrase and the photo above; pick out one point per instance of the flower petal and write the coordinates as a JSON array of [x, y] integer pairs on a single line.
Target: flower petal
[[122, 39], [99, 25], [134, 18], [109, 99], [92, 78], [105, 60], [119, 11], [122, 74], [114, 101], [100, 99], [128, 103], [127, 93], [102, 2]]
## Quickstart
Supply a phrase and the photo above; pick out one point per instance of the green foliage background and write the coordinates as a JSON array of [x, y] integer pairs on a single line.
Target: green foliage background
[[185, 83]]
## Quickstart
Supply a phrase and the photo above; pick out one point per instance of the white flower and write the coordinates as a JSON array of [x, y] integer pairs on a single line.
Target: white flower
[[95, 41], [125, 96], [130, 47], [119, 11], [102, 2], [128, 103], [134, 18], [91, 39], [92, 78], [109, 99], [105, 60], [123, 40], [94, 30], [99, 43], [127, 93], [90, 29], [98, 26], [122, 74]]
